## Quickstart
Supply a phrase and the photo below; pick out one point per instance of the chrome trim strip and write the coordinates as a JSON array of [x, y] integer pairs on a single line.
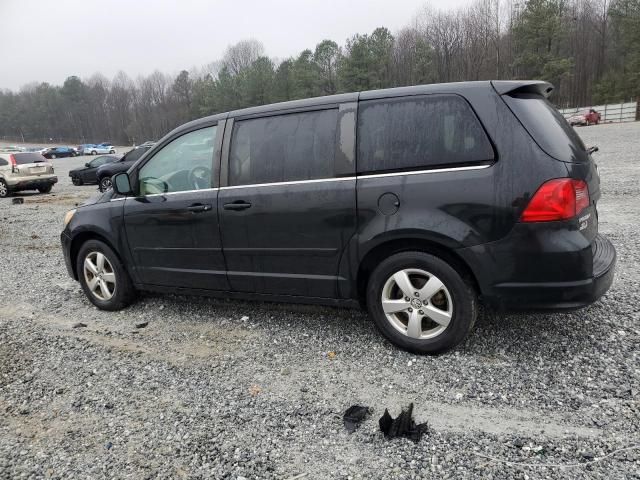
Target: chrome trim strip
[[182, 191], [167, 193], [320, 180], [295, 182], [372, 175], [420, 172]]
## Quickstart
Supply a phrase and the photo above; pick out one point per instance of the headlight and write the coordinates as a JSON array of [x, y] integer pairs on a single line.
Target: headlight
[[68, 216]]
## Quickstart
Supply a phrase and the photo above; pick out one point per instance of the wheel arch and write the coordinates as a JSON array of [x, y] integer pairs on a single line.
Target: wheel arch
[[82, 238], [390, 247]]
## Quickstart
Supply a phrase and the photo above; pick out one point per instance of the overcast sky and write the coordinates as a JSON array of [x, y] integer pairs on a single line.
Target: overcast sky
[[49, 40]]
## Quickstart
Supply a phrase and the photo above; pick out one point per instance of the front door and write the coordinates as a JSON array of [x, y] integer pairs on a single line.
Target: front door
[[288, 204], [172, 225]]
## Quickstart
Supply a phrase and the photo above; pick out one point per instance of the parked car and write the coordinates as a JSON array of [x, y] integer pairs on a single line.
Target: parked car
[[100, 150], [105, 172], [25, 171], [11, 149], [421, 216], [85, 148], [584, 118], [59, 152], [87, 174]]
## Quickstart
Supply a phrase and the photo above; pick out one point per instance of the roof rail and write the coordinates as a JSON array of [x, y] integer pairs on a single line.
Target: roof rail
[[505, 87]]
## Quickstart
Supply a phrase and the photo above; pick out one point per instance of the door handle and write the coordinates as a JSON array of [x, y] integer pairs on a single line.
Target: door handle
[[237, 205], [198, 207]]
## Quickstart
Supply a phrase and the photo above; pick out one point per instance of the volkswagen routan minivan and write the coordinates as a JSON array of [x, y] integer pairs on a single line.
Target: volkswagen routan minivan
[[418, 203]]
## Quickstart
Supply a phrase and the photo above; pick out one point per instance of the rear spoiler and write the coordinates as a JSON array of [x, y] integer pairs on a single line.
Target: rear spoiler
[[506, 87]]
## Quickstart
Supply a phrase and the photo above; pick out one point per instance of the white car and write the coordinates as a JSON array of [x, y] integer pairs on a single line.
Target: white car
[[99, 150]]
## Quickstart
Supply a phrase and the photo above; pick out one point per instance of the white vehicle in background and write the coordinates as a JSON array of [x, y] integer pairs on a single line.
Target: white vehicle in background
[[101, 149]]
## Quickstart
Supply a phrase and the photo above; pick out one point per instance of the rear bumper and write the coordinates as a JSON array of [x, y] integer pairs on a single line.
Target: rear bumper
[[26, 183], [558, 295]]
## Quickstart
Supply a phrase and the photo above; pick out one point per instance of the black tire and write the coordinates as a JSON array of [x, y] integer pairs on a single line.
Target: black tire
[[45, 189], [4, 190], [124, 293], [93, 152], [463, 298], [112, 151], [52, 156], [77, 181], [105, 184]]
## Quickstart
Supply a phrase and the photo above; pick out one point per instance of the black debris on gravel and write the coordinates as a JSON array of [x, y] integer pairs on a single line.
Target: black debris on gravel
[[354, 415], [403, 425]]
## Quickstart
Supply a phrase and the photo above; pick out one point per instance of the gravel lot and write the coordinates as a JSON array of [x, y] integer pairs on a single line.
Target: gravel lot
[[229, 389]]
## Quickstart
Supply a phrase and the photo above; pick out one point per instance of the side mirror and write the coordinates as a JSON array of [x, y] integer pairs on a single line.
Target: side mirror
[[121, 184], [87, 164]]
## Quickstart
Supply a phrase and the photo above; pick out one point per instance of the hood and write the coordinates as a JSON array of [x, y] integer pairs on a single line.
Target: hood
[[99, 197]]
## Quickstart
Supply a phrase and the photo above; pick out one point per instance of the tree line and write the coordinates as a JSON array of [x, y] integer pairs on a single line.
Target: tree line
[[589, 49]]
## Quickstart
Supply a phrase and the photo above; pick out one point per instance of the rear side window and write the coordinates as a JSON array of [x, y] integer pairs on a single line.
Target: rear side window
[[295, 146], [27, 157], [3, 162], [547, 126], [419, 132]]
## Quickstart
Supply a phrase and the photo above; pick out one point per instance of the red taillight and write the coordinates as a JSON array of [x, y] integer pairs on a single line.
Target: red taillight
[[14, 164], [558, 199]]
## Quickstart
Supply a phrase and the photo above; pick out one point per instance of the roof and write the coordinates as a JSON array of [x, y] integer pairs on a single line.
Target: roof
[[501, 86]]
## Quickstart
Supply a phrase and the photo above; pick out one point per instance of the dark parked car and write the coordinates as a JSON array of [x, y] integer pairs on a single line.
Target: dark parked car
[[59, 152], [418, 202], [87, 174], [105, 172]]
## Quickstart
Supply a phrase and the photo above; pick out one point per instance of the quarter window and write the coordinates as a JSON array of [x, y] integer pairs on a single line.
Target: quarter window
[[295, 146], [184, 164], [419, 132]]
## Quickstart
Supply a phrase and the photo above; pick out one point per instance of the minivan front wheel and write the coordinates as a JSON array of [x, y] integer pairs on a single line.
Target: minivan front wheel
[[420, 303], [104, 279]]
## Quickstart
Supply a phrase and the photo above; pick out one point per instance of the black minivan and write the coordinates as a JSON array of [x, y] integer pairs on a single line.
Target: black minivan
[[416, 202]]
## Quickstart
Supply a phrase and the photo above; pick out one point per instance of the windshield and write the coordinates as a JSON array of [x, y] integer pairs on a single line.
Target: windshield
[[548, 127]]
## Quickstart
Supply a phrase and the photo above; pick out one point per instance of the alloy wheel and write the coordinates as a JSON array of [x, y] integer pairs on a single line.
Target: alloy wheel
[[105, 183], [4, 191], [99, 275], [417, 303]]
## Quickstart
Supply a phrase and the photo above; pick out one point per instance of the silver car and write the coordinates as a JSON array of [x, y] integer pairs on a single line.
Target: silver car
[[25, 171]]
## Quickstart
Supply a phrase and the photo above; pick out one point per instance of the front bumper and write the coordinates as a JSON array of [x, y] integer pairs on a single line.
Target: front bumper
[[27, 183], [559, 296], [65, 240]]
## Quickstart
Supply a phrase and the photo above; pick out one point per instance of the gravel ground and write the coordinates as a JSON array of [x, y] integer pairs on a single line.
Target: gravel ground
[[230, 389]]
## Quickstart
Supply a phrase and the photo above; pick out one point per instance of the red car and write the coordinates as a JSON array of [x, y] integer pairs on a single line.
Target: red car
[[586, 117]]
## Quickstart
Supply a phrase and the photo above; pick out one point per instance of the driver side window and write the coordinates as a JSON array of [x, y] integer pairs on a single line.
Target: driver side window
[[184, 164]]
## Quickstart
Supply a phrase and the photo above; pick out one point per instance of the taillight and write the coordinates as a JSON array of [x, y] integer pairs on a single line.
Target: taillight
[[558, 199], [14, 164]]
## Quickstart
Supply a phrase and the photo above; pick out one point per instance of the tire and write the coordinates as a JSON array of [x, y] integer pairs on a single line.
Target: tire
[[112, 151], [46, 189], [4, 190], [454, 304], [93, 152], [105, 184], [120, 292], [77, 181], [53, 156]]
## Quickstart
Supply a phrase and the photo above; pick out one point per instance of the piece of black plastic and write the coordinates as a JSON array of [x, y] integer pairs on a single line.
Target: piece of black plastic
[[402, 426], [353, 416]]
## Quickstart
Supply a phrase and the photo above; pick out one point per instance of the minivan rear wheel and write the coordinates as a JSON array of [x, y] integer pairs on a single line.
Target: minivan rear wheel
[[104, 279], [420, 303]]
